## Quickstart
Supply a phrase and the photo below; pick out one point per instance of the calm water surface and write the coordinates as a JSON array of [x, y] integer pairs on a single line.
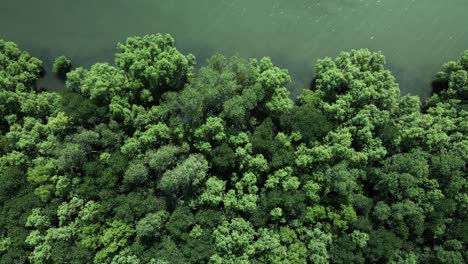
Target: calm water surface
[[416, 36]]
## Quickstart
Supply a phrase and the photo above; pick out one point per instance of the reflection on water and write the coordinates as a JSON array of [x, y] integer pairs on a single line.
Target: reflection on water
[[416, 36]]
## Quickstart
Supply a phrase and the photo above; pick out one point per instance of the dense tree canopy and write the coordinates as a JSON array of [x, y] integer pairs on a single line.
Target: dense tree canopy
[[150, 161]]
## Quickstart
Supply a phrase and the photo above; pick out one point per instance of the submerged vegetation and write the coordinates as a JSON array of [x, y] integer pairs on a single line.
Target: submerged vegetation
[[150, 161]]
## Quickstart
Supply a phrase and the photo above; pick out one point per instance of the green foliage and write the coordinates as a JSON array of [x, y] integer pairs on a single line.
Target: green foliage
[[136, 173], [189, 173], [101, 83], [154, 60], [164, 157], [214, 191], [452, 83], [234, 240], [230, 88], [149, 161], [61, 66], [308, 119], [152, 225], [113, 238], [18, 70]]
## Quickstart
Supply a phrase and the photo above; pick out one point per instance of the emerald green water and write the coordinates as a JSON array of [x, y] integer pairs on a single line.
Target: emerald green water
[[417, 36]]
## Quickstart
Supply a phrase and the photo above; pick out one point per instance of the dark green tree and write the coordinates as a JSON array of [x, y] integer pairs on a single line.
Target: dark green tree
[[62, 65]]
